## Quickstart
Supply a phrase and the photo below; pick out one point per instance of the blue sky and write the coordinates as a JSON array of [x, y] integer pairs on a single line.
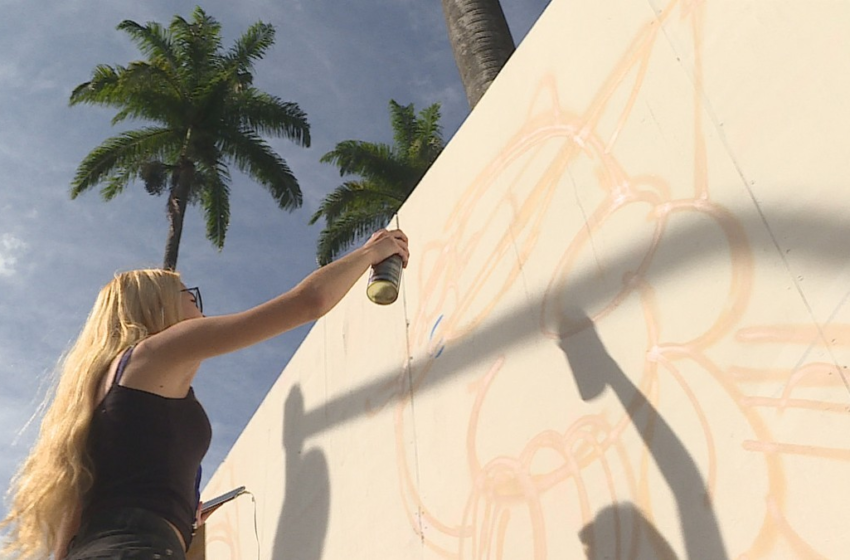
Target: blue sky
[[340, 61]]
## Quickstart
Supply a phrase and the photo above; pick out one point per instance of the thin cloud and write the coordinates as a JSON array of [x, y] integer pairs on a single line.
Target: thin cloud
[[11, 248]]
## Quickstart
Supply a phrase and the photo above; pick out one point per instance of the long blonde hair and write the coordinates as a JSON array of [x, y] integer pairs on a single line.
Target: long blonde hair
[[55, 476]]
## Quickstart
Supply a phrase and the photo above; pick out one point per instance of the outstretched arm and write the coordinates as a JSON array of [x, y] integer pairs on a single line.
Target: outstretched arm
[[194, 340]]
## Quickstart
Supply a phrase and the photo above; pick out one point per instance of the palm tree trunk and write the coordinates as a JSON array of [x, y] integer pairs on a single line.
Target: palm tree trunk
[[176, 209], [481, 42]]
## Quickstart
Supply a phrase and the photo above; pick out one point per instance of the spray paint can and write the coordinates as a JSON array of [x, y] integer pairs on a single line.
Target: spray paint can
[[384, 280]]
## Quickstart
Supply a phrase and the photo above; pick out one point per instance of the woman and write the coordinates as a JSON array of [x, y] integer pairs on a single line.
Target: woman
[[115, 467]]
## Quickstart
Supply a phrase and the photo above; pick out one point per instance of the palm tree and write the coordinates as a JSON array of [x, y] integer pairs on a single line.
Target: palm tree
[[205, 115], [481, 42], [388, 174]]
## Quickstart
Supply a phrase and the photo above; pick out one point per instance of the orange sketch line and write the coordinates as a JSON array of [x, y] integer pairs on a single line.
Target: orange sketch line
[[815, 374], [806, 334], [806, 404], [803, 549], [775, 448]]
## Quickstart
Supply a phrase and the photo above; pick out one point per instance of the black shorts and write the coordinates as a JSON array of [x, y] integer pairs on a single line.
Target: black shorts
[[126, 533]]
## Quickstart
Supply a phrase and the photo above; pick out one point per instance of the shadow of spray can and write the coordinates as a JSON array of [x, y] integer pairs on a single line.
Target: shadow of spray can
[[384, 281]]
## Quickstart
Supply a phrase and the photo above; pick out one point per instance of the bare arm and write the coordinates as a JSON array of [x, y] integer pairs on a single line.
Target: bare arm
[[69, 527], [194, 340]]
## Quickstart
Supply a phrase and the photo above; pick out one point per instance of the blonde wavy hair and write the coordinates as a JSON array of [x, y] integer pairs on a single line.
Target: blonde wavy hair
[[55, 476]]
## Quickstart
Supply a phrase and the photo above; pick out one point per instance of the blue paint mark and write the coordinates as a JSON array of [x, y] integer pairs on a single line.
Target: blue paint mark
[[431, 337], [437, 324]]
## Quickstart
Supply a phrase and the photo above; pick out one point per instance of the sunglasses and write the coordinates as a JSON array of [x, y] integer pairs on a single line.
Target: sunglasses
[[196, 296]]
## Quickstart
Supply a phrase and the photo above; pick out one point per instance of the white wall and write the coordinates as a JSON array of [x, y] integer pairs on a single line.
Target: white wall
[[626, 318]]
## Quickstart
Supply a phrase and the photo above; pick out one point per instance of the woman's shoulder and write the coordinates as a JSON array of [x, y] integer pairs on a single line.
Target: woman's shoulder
[[111, 373], [151, 371]]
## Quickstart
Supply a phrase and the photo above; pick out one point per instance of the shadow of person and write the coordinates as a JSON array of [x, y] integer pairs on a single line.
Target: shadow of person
[[622, 531], [594, 370], [303, 521]]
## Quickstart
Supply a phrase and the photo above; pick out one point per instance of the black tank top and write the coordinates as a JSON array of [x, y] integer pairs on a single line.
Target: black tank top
[[146, 452]]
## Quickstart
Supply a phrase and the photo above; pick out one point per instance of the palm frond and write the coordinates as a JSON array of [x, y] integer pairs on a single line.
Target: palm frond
[[346, 230], [253, 156], [250, 47], [356, 196], [116, 183], [140, 90], [428, 141], [153, 40], [215, 200], [377, 162], [153, 77], [100, 90], [118, 152], [428, 121], [152, 93], [403, 122], [268, 114], [197, 45]]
